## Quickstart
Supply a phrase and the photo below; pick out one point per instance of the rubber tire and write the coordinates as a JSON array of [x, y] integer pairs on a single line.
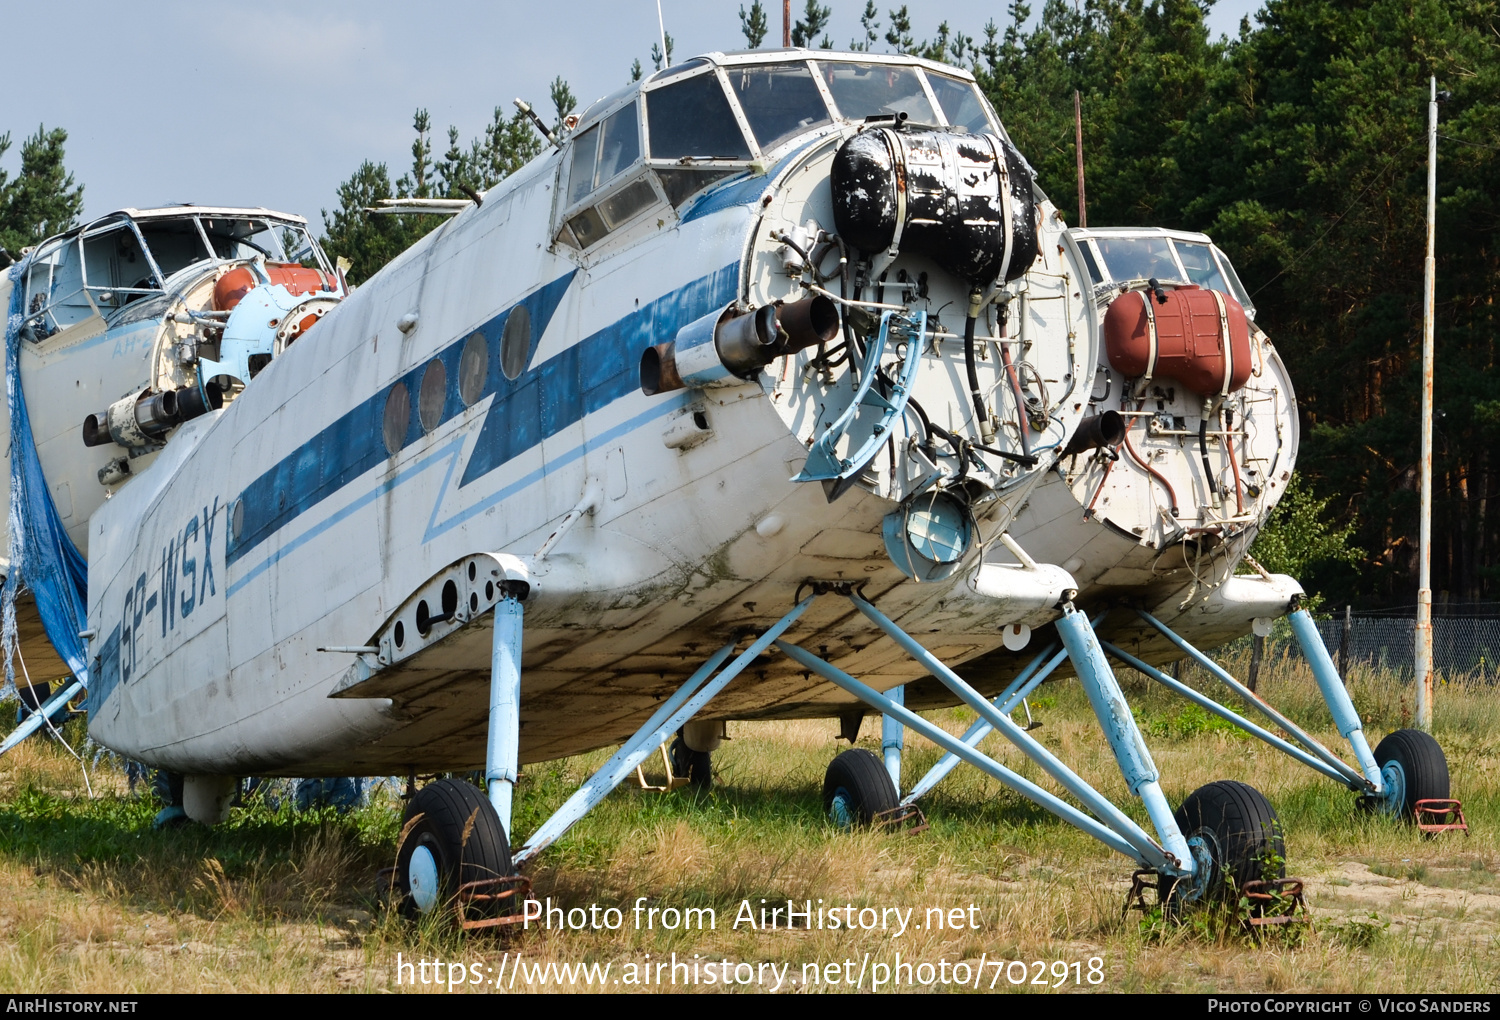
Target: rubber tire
[[445, 807], [1423, 763], [1241, 829], [696, 766], [861, 776]]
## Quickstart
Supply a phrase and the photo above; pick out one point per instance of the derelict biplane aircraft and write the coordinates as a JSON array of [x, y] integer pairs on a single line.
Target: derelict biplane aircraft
[[766, 355]]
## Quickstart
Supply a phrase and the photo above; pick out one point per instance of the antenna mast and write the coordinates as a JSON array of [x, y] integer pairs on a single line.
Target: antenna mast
[[661, 26], [1422, 654], [1083, 216]]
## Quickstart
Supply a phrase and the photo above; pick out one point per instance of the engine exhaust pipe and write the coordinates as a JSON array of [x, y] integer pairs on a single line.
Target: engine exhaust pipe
[[1107, 429], [718, 349], [138, 421], [807, 323], [726, 346]]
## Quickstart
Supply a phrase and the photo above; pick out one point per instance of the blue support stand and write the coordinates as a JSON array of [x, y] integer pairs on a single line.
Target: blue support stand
[[696, 692], [503, 750], [1336, 695], [893, 738], [1118, 724]]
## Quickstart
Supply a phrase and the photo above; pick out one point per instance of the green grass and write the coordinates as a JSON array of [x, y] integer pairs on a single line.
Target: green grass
[[93, 898]]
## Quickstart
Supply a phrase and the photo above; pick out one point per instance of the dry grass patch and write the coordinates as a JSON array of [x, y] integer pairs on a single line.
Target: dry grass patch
[[92, 899]]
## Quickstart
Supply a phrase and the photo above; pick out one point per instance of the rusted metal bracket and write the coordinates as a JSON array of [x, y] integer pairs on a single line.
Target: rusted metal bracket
[[908, 817], [1275, 901], [489, 895], [1436, 815], [1140, 881]]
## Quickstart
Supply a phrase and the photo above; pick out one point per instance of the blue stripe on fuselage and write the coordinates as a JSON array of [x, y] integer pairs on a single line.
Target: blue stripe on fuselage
[[541, 402]]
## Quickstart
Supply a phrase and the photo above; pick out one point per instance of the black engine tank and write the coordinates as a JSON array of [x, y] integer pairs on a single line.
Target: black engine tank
[[939, 193]]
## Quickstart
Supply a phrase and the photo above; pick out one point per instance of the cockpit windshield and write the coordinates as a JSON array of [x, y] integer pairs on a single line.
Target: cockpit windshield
[[119, 260], [779, 100], [1139, 258], [873, 90], [697, 131], [960, 102], [692, 119], [1165, 259]]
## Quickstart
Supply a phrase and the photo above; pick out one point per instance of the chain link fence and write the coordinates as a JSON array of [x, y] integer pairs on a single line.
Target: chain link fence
[[1465, 640]]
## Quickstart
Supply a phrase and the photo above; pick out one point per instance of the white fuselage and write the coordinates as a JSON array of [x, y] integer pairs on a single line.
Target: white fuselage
[[282, 524]]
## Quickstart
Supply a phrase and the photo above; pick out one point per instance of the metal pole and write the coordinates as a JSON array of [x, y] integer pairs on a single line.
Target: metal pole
[[503, 749], [893, 738], [661, 26], [1083, 216], [1345, 639], [1423, 652]]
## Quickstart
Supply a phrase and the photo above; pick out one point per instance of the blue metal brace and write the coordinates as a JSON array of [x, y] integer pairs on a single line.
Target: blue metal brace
[[1028, 680], [503, 748], [893, 738], [678, 709], [1171, 856], [1352, 778], [823, 461], [1345, 717], [38, 718], [1140, 847], [1210, 705]]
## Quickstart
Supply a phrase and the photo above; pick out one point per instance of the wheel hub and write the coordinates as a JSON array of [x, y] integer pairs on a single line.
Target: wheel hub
[[842, 811], [422, 879], [1392, 797]]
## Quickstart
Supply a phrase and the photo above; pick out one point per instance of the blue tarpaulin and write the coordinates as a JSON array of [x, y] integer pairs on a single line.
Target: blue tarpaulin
[[43, 559]]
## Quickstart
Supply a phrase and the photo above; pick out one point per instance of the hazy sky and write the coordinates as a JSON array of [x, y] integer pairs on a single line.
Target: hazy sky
[[274, 103]]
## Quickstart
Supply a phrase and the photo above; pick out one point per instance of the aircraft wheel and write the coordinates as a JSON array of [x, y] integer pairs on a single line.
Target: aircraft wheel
[[696, 766], [1413, 767], [856, 788], [451, 836], [1240, 836]]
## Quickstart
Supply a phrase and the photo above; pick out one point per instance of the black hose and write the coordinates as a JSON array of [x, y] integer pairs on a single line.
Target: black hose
[[1203, 451], [980, 415], [1024, 459]]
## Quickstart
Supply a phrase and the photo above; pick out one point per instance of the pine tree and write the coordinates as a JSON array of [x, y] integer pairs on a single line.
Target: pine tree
[[43, 199], [814, 20], [868, 20], [899, 34], [753, 24], [563, 100]]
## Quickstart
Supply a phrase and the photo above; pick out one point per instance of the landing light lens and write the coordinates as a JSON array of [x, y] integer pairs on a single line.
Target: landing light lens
[[940, 530]]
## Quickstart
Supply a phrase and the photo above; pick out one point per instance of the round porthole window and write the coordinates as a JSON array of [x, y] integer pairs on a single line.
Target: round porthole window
[[397, 418], [515, 345], [473, 366], [432, 395]]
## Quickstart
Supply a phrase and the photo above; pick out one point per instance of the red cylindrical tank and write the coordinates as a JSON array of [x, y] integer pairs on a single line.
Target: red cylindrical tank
[[1199, 338], [239, 281]]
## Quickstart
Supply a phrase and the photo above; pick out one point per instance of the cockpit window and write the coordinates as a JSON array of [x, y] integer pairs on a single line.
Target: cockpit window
[[174, 244], [115, 265], [1138, 258], [585, 159], [1200, 266], [870, 90], [779, 100], [603, 152], [1235, 286], [960, 102], [243, 239], [692, 119], [620, 145]]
